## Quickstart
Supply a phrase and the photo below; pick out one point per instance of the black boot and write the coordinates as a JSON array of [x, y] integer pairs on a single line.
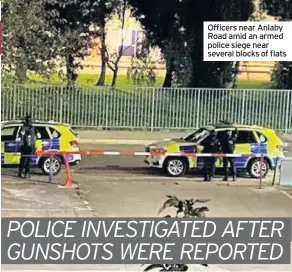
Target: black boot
[[207, 178], [225, 178], [27, 175], [19, 175]]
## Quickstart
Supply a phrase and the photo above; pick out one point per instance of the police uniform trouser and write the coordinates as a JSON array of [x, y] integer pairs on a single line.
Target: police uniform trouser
[[25, 159], [232, 166], [209, 165]]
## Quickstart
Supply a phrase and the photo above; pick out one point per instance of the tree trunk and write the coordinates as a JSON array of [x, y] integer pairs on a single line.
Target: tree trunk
[[20, 73], [71, 74], [168, 76], [101, 79], [115, 76], [235, 73], [21, 70]]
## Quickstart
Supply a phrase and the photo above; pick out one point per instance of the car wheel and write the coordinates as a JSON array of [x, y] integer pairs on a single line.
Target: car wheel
[[175, 167], [46, 163], [254, 168]]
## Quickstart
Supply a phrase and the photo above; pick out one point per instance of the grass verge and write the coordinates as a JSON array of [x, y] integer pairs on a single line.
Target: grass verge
[[89, 80]]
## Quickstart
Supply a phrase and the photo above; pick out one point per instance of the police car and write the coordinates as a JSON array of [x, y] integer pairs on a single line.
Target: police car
[[251, 140], [53, 136]]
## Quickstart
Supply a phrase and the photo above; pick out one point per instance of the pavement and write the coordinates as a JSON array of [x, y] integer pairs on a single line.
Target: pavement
[[39, 198], [118, 186]]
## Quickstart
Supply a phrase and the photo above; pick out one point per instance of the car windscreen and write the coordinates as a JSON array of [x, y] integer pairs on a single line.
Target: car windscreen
[[197, 135]]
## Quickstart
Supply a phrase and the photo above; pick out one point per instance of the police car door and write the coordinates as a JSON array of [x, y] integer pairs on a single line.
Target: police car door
[[195, 147], [244, 145], [10, 147], [44, 143]]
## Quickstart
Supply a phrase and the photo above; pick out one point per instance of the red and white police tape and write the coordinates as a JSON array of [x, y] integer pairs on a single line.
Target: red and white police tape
[[134, 153]]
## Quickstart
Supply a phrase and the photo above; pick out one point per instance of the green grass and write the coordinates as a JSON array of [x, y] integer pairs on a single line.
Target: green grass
[[253, 84], [89, 80]]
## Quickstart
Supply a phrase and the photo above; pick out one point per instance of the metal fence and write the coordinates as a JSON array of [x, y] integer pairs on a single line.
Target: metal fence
[[148, 108]]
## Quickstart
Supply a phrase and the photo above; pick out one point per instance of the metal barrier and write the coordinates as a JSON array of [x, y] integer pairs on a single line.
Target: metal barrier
[[147, 108], [286, 172]]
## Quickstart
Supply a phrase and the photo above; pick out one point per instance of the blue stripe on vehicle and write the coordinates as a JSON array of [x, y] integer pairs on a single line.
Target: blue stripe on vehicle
[[239, 162], [187, 149], [259, 148], [51, 145], [34, 159], [8, 148]]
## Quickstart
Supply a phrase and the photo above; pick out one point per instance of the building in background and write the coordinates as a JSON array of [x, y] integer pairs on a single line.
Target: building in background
[[133, 36], [129, 39]]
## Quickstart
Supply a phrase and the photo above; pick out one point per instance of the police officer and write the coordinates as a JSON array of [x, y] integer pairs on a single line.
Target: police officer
[[28, 136], [212, 145], [227, 141]]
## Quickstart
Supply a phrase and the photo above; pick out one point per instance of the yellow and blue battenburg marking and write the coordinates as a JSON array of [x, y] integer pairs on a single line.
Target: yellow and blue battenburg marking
[[240, 162], [188, 149], [10, 150], [50, 144]]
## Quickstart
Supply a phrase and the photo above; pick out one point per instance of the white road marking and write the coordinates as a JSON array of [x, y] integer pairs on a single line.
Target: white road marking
[[287, 194]]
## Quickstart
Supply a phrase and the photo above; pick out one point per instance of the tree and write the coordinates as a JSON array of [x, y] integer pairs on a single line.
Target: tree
[[282, 75], [27, 42], [282, 72], [164, 24], [159, 25], [114, 56], [278, 8], [141, 71], [211, 74], [102, 35], [70, 20], [38, 32], [257, 16], [102, 13]]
